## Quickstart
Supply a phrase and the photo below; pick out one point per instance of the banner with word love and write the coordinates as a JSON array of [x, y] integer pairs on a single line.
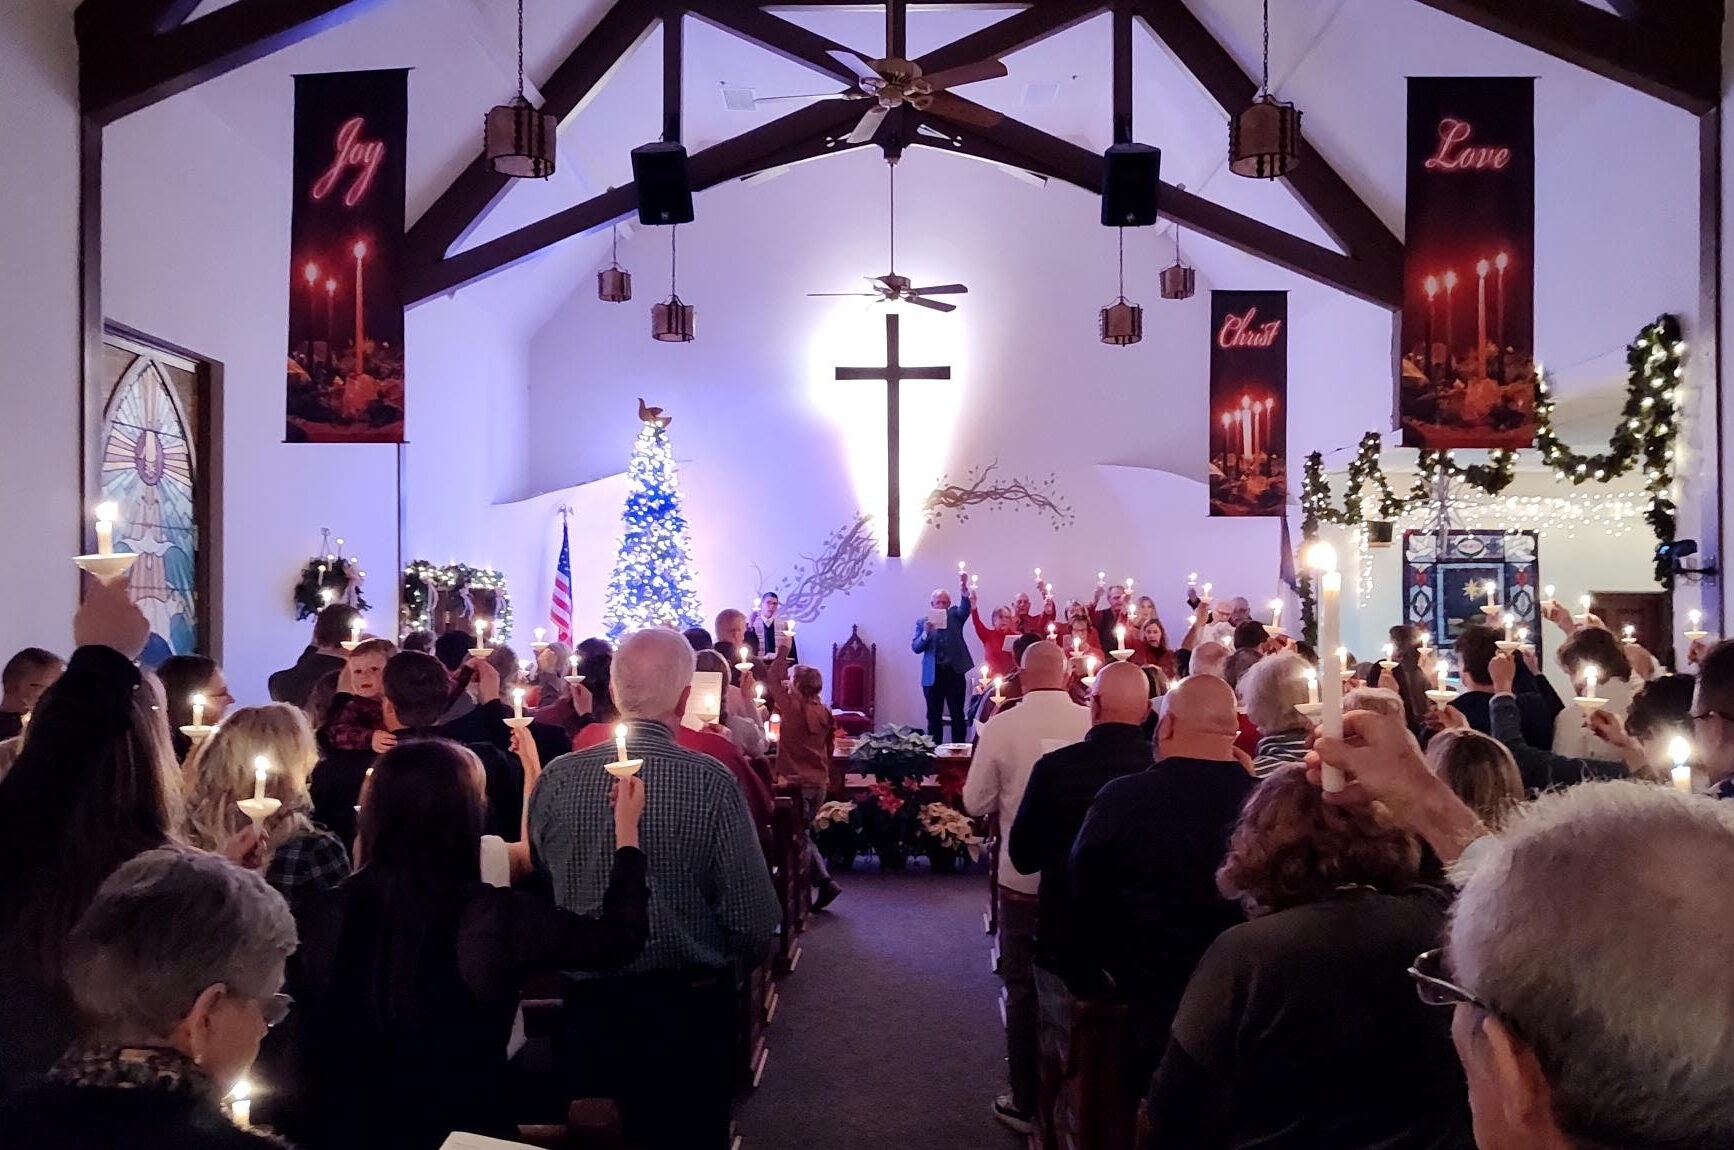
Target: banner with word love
[[1248, 402], [345, 258], [1468, 364]]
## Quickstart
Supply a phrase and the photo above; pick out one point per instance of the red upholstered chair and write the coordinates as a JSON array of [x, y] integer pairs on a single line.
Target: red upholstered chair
[[852, 688]]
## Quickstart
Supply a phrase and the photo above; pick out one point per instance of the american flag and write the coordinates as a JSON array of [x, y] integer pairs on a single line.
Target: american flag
[[560, 610]]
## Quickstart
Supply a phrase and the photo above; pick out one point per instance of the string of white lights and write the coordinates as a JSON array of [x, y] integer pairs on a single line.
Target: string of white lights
[[1614, 515]]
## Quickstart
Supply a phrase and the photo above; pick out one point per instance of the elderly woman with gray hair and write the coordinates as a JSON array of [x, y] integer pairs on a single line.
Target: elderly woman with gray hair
[[177, 971], [1270, 690]]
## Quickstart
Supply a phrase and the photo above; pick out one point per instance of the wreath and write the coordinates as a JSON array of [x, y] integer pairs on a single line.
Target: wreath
[[328, 579], [1644, 437]]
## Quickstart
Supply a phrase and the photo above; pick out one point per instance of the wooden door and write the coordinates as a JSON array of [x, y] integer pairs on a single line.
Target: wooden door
[[1650, 614]]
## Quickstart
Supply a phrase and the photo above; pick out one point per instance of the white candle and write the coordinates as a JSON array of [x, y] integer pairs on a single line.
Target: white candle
[[1584, 601], [620, 743], [481, 632], [1192, 620], [1207, 588], [241, 1105], [1343, 658], [572, 663], [1090, 665], [1128, 586], [710, 707], [1590, 674], [1510, 622], [998, 688], [1051, 631], [1523, 636], [1101, 578], [355, 626], [1120, 636], [1680, 751], [106, 514], [1547, 592], [1038, 576], [1322, 558], [541, 633], [198, 702], [1312, 678], [1390, 652], [1441, 669], [1276, 612], [517, 702], [261, 768], [1629, 632]]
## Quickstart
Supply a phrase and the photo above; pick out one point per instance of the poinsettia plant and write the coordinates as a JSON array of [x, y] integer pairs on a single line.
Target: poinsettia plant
[[948, 829], [894, 754]]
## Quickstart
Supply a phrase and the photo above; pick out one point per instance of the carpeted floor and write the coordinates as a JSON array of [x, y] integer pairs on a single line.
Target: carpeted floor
[[888, 1033]]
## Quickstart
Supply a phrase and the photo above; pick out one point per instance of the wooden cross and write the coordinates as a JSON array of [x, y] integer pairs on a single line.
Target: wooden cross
[[893, 373]]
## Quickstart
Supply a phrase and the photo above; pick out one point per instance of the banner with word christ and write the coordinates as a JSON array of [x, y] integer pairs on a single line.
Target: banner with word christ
[[1468, 364], [1248, 402], [346, 258]]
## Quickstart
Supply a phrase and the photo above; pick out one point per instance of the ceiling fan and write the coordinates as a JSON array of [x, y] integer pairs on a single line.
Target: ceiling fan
[[894, 82], [891, 287]]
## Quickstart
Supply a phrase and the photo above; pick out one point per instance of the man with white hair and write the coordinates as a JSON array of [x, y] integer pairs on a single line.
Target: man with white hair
[[1005, 752], [713, 909], [1571, 1036]]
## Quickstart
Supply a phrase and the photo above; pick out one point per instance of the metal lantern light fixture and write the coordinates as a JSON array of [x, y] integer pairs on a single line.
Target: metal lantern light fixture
[[1122, 323], [671, 320], [518, 140], [614, 283], [1264, 138], [1178, 280]]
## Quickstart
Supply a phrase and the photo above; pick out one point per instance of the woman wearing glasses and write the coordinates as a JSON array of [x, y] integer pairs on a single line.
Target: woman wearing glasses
[[1300, 1027], [177, 970]]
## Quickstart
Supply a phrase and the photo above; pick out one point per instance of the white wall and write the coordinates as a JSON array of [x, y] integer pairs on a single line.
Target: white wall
[[39, 335]]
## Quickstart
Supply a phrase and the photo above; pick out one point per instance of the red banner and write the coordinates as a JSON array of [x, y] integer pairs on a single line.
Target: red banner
[[1248, 402], [1468, 370], [345, 258]]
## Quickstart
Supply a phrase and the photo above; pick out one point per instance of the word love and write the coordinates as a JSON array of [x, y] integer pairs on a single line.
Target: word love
[[351, 151], [1454, 154], [1245, 330]]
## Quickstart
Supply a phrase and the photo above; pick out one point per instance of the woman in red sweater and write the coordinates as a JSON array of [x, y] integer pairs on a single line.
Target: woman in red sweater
[[997, 640], [1150, 648]]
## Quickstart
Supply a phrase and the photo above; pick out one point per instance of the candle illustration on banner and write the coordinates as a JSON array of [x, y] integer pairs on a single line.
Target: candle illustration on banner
[[1501, 262], [1322, 558], [1432, 286], [1450, 318]]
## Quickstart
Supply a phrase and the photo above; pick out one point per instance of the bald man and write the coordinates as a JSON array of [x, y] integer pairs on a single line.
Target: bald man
[[1005, 751], [1144, 903]]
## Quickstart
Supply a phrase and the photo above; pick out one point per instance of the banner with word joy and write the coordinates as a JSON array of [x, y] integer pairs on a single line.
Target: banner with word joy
[[1468, 364], [346, 258], [1248, 402]]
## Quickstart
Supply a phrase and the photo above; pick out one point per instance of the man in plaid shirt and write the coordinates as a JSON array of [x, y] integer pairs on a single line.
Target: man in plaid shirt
[[670, 1018]]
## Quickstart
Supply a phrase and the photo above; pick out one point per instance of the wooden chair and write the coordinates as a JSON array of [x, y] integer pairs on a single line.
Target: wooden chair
[[853, 668]]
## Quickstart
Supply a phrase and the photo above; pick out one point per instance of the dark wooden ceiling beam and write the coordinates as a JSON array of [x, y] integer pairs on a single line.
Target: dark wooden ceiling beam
[[100, 18], [118, 74], [809, 132], [1328, 198], [449, 218], [1122, 64], [774, 34], [1031, 26], [1019, 145], [1682, 68], [673, 50]]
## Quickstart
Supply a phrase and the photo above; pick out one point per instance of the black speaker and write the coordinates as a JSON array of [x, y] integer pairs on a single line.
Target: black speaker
[[1131, 180], [664, 189]]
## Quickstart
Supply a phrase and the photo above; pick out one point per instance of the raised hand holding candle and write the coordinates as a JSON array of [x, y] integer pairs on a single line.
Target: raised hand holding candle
[[106, 513], [1101, 578], [1680, 751], [1322, 558]]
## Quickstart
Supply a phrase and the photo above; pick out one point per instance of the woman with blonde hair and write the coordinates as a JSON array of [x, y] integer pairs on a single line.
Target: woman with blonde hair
[[297, 856], [1479, 770]]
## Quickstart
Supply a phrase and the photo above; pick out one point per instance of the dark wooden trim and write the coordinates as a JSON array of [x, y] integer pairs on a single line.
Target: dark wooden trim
[[673, 46], [1328, 198], [1122, 72], [1684, 69], [1022, 146], [118, 75], [130, 17], [89, 323], [1031, 26], [897, 28], [451, 217], [811, 131], [774, 34], [1705, 343]]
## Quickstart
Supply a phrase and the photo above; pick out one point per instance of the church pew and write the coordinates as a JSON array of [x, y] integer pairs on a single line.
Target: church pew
[[990, 846], [591, 1124], [1082, 1100]]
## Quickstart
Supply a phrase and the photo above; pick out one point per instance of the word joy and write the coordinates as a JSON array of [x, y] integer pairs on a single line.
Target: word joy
[[1454, 155], [351, 151], [1244, 331]]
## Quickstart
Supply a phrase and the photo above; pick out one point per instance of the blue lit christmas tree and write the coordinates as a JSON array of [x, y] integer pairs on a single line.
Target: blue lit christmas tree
[[652, 580]]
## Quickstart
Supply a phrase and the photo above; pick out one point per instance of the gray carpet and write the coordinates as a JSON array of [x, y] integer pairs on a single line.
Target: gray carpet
[[888, 1034]]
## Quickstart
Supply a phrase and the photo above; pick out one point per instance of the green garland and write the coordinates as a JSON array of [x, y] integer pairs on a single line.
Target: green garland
[[417, 607], [1644, 437], [324, 580]]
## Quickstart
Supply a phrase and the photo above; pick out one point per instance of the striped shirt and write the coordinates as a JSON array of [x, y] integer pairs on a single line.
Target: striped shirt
[[711, 897], [1279, 750]]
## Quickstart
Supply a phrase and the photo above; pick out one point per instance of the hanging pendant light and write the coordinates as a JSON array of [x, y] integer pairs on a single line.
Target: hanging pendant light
[[1178, 280], [671, 320], [518, 140], [614, 283], [1122, 323], [1264, 139]]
